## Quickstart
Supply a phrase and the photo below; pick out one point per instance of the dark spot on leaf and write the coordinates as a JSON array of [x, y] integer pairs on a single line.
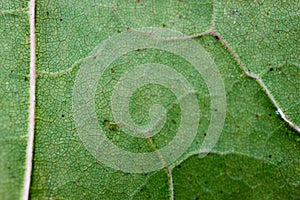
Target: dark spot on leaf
[[271, 69], [173, 121], [105, 122], [138, 49], [179, 166], [47, 13], [235, 11], [112, 70], [215, 110], [270, 156], [256, 115], [270, 115], [119, 31], [60, 19], [141, 189], [204, 134], [217, 37], [25, 78], [205, 182], [153, 95], [163, 25], [62, 115], [113, 127], [221, 191]]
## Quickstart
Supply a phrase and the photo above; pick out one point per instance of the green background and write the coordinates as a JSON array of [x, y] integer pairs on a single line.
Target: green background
[[257, 155]]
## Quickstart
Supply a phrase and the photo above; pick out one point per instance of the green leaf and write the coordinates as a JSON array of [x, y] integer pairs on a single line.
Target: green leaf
[[14, 86], [203, 63]]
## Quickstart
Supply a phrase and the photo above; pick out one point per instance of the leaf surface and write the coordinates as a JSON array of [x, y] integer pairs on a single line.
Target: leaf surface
[[254, 46], [14, 86]]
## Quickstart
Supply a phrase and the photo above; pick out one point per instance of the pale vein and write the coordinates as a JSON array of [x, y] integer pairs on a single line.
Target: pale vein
[[29, 150]]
